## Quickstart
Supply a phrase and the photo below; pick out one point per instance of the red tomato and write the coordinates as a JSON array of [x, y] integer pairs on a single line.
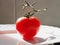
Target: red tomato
[[28, 27]]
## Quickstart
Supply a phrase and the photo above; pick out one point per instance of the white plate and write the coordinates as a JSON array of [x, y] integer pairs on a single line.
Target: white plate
[[46, 35], [6, 40]]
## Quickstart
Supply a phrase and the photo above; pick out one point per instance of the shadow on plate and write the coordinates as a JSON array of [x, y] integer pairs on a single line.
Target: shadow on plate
[[34, 41]]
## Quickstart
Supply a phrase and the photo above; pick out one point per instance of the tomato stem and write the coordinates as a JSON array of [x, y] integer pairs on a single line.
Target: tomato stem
[[29, 14], [33, 11]]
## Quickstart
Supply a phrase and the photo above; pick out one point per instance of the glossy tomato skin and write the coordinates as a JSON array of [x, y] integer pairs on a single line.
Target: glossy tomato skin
[[28, 27]]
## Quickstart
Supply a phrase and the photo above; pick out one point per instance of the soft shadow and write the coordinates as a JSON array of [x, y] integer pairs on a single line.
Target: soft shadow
[[34, 41]]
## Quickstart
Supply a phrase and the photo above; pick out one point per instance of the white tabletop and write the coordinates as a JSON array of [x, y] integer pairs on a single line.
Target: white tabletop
[[50, 33]]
